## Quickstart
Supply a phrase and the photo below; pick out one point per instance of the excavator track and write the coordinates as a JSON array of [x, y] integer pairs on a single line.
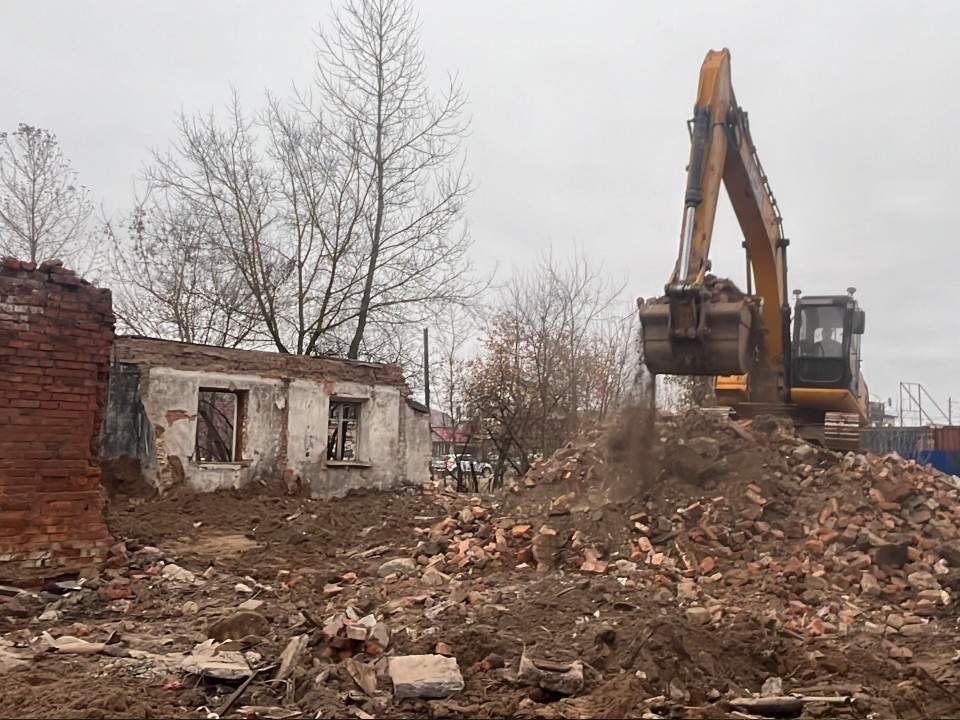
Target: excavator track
[[833, 430], [841, 431]]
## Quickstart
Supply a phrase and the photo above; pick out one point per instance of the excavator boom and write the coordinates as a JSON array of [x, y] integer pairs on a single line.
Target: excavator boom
[[694, 328]]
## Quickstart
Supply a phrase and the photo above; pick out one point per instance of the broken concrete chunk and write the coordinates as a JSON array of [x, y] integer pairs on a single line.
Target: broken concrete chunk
[[238, 625], [869, 585], [544, 549], [803, 452], [22, 606], [433, 578], [563, 678], [250, 605], [698, 615], [332, 627], [400, 566], [425, 676], [706, 447], [380, 635], [356, 632], [364, 675], [206, 661], [772, 687], [923, 580], [895, 621], [175, 572]]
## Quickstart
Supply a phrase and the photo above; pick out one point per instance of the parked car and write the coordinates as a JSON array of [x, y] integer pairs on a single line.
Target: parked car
[[483, 469]]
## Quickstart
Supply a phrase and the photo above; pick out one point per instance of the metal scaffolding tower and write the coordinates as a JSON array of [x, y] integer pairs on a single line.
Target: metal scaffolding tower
[[918, 408]]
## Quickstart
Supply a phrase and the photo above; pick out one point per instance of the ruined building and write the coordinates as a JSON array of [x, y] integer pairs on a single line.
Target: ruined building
[[81, 410], [214, 417]]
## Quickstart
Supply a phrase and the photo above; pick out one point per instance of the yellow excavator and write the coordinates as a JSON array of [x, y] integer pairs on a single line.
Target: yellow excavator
[[705, 325]]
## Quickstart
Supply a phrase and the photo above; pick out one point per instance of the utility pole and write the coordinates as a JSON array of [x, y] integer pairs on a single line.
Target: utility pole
[[901, 404], [426, 369]]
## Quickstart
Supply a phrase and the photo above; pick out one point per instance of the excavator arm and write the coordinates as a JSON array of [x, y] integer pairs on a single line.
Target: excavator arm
[[701, 326]]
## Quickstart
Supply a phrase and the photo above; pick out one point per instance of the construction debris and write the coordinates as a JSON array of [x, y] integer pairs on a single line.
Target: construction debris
[[735, 565], [563, 678], [425, 676], [208, 660]]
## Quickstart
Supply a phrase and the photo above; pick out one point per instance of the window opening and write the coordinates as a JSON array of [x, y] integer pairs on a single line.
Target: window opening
[[343, 430], [821, 331], [218, 426]]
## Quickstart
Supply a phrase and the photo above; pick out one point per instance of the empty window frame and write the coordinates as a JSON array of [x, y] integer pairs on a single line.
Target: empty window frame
[[343, 430], [219, 422]]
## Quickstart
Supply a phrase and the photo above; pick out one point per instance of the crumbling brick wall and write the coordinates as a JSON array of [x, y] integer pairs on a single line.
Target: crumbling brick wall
[[56, 332]]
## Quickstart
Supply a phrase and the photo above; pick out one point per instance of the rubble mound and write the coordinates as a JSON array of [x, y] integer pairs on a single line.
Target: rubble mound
[[692, 567]]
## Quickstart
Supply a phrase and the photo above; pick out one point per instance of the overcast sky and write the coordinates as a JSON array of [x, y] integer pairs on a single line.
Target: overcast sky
[[579, 132]]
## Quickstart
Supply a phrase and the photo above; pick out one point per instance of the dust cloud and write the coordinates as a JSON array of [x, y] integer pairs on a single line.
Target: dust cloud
[[633, 441]]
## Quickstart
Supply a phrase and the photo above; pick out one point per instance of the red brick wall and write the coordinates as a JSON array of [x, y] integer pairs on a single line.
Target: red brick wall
[[56, 332]]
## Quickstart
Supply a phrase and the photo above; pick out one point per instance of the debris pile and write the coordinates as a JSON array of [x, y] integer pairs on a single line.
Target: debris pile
[[758, 575]]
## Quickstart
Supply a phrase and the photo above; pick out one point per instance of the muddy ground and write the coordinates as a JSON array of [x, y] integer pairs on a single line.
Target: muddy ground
[[660, 571]]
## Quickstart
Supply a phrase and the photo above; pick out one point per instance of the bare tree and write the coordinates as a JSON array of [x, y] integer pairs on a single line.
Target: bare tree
[[270, 211], [321, 196], [372, 79], [44, 211], [555, 354], [452, 332], [338, 222], [216, 171], [168, 280]]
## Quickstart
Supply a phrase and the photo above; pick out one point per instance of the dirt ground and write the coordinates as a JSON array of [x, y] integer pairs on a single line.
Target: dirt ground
[[659, 570]]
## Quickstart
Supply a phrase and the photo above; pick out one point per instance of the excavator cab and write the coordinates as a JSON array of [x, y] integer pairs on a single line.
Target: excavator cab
[[826, 343], [825, 365]]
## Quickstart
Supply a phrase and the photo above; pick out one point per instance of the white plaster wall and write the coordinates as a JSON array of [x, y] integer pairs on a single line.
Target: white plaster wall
[[378, 464], [307, 430], [170, 400], [419, 445]]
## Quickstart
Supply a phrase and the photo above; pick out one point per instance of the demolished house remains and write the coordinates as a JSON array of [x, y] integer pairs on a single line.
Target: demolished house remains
[[662, 565], [82, 410], [213, 417]]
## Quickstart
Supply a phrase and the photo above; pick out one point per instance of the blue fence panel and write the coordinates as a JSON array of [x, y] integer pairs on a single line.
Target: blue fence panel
[[947, 461]]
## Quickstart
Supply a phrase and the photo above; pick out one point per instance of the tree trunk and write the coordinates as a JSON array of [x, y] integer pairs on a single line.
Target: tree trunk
[[354, 351]]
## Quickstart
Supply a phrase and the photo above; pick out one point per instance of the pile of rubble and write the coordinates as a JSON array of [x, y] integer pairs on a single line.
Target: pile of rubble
[[743, 572], [847, 541]]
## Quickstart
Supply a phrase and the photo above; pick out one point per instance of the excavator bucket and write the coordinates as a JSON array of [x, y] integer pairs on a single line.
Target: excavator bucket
[[697, 336]]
